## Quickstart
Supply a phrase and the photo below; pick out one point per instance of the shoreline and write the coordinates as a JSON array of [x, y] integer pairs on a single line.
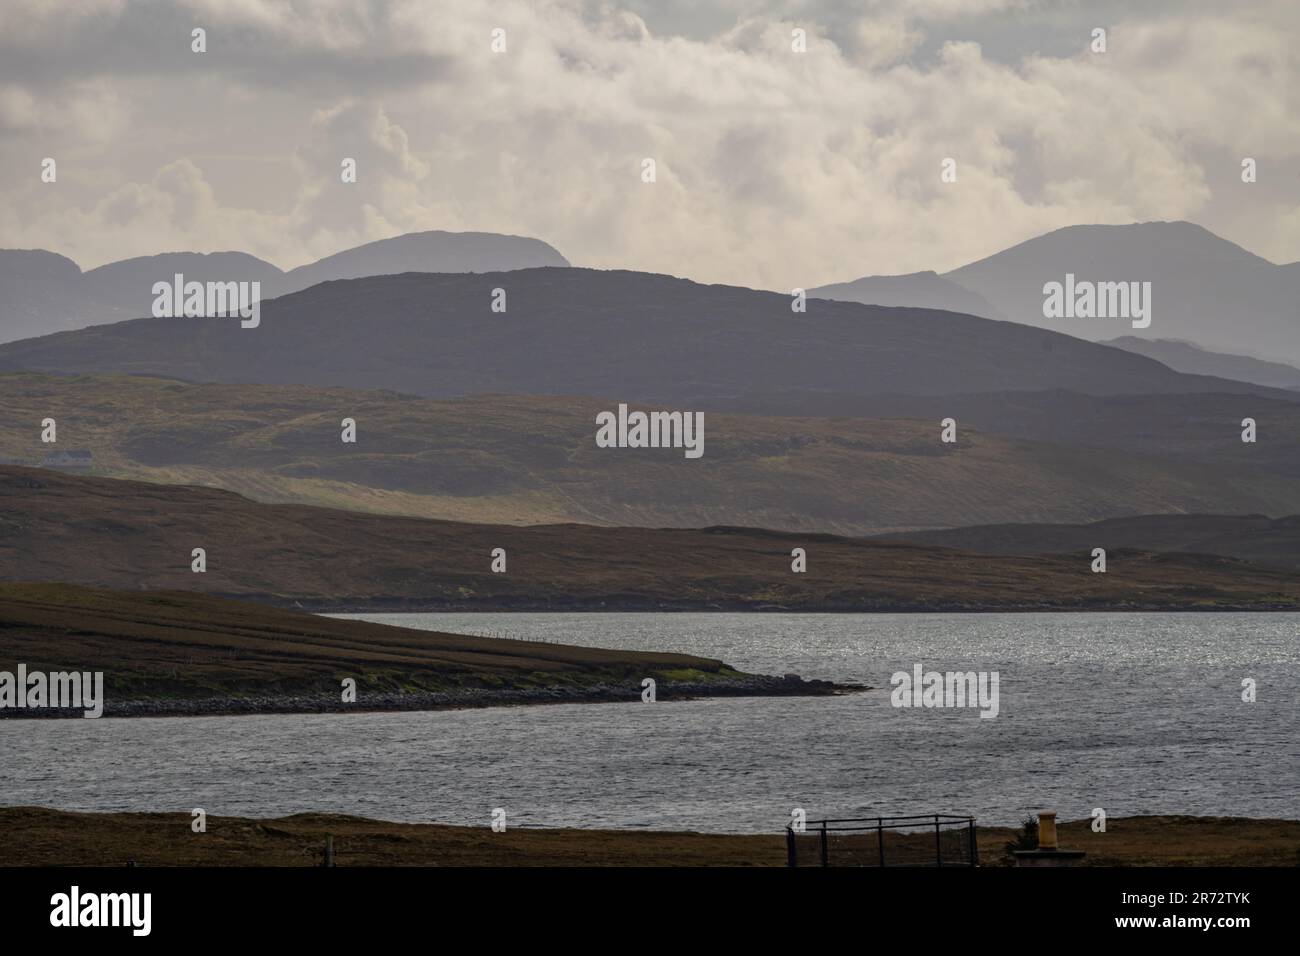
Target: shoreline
[[551, 608], [35, 836], [177, 653], [467, 698]]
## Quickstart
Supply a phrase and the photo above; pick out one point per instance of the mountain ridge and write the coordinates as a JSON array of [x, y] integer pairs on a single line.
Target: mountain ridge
[[64, 295], [1184, 356], [617, 332], [921, 290]]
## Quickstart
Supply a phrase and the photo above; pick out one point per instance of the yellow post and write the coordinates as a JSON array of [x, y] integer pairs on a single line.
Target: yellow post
[[1047, 830]]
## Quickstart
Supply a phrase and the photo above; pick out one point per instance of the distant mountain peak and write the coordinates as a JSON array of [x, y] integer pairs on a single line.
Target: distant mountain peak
[[30, 264], [1204, 288], [1177, 236], [432, 251], [44, 292]]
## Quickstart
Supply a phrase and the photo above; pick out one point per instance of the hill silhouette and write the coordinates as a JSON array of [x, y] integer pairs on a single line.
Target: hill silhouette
[[627, 335], [42, 293]]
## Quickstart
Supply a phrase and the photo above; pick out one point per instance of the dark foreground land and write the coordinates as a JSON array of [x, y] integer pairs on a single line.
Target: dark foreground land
[[31, 836], [166, 653], [132, 535]]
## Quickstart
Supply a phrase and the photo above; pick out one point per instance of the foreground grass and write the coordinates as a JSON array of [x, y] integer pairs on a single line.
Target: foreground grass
[[31, 836]]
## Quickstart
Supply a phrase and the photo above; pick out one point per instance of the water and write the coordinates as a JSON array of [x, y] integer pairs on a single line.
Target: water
[[1135, 713]]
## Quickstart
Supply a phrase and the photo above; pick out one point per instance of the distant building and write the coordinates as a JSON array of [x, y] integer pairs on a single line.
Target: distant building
[[77, 458]]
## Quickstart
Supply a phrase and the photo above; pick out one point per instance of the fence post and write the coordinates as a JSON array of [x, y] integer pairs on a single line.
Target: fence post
[[974, 846], [329, 850], [824, 854], [880, 836], [791, 851], [938, 843]]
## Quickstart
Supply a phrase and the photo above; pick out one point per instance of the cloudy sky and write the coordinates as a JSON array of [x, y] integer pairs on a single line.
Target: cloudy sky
[[775, 168]]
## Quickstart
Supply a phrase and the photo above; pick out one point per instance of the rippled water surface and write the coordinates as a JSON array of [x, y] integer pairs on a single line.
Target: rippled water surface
[[1136, 713]]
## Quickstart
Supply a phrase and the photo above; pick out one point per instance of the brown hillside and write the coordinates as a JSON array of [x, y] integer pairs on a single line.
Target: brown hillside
[[132, 535], [531, 460]]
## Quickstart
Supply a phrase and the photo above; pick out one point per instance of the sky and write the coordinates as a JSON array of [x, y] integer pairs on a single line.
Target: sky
[[774, 168]]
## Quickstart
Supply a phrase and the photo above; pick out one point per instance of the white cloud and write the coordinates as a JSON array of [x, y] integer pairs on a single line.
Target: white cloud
[[775, 168], [25, 21]]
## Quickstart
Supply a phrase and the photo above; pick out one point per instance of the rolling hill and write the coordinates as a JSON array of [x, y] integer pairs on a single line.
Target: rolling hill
[[1273, 542], [127, 535], [533, 459], [1188, 357], [1193, 428], [626, 335]]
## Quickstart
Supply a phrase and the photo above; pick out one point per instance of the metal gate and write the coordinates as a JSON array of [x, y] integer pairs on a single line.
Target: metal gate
[[935, 839]]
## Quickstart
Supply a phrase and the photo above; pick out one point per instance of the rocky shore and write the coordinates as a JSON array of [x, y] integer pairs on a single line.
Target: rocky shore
[[747, 685]]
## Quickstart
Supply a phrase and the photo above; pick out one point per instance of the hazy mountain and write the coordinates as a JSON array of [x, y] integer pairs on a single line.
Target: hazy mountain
[[920, 290], [1187, 357], [1204, 289], [1268, 541], [625, 335], [42, 293], [425, 252], [35, 265], [532, 460], [124, 290], [131, 536]]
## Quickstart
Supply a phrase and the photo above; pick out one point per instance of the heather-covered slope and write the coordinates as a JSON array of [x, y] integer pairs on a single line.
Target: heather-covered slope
[[533, 459], [130, 535]]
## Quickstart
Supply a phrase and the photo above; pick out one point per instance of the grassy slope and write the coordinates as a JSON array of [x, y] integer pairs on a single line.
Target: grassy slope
[[36, 837], [130, 535], [529, 460], [168, 644]]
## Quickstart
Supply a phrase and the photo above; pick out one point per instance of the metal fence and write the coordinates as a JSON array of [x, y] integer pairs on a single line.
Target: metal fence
[[935, 839]]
